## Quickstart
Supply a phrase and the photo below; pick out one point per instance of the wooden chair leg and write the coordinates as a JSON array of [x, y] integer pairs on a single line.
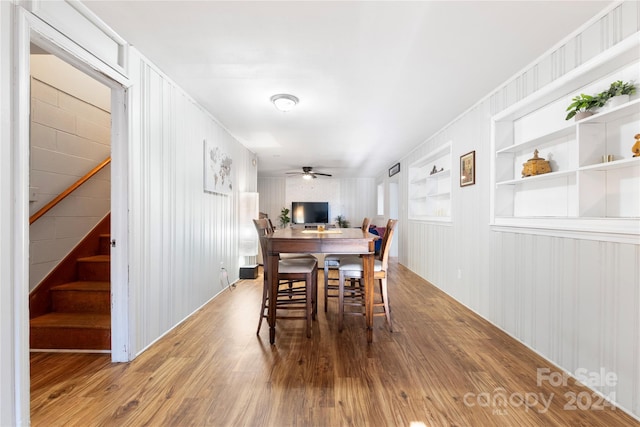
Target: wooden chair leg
[[340, 301], [314, 279], [309, 302], [385, 301], [326, 286], [264, 305]]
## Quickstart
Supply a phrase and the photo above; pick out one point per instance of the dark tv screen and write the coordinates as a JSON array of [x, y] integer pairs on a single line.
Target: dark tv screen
[[310, 212]]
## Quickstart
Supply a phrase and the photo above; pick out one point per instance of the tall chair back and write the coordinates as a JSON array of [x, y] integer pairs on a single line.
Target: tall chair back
[[351, 268], [289, 297], [386, 243], [332, 262]]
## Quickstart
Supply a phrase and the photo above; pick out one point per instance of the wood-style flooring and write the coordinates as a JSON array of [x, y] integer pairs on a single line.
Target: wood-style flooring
[[442, 366]]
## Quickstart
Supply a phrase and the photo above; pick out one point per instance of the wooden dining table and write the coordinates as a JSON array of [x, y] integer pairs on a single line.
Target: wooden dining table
[[312, 241]]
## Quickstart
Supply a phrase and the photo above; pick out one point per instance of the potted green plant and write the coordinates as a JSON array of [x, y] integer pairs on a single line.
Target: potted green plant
[[618, 93], [342, 222], [284, 217], [583, 105]]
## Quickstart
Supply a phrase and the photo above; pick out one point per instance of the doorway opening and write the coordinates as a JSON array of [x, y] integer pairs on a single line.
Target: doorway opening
[[46, 41], [69, 207], [394, 206]]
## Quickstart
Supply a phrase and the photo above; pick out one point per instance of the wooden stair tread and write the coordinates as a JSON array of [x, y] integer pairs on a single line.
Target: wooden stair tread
[[95, 258], [84, 285], [73, 320], [72, 308]]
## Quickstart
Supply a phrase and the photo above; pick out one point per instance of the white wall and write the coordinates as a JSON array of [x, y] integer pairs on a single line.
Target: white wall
[[66, 78], [272, 191], [542, 290], [12, 409], [298, 189], [358, 199], [576, 302], [70, 135], [179, 236], [354, 198]]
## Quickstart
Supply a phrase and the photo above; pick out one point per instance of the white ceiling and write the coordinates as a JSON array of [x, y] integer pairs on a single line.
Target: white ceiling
[[375, 79]]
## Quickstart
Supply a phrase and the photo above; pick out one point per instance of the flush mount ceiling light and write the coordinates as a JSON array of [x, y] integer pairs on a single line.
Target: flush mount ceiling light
[[284, 102]]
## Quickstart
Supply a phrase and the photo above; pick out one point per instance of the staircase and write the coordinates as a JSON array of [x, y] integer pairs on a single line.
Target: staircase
[[75, 314]]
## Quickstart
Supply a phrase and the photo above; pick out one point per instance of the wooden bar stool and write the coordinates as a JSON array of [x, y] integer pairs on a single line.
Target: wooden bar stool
[[332, 262], [353, 294], [297, 284]]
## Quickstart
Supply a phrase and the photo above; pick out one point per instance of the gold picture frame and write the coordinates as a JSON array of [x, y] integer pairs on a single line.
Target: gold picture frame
[[468, 169]]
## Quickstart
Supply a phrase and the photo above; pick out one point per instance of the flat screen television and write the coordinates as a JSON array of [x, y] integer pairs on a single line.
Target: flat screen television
[[309, 212]]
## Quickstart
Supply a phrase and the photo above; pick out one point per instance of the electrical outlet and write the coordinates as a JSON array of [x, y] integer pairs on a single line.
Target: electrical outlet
[[459, 274]]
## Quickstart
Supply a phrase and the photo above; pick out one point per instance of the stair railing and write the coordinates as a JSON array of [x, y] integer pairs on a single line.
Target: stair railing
[[46, 208]]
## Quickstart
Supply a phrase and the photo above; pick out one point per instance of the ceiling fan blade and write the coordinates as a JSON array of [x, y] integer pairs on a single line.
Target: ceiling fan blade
[[307, 171]]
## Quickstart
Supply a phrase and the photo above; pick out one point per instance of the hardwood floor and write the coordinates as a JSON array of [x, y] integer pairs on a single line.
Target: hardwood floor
[[442, 366]]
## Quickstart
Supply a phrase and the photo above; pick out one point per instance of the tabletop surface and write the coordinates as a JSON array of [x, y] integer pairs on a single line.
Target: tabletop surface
[[340, 233], [299, 240], [349, 240]]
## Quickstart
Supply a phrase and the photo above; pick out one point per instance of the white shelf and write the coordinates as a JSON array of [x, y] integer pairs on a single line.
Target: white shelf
[[440, 194], [539, 141], [609, 115], [419, 180], [617, 164], [432, 218], [529, 179], [439, 175], [581, 197], [621, 230], [431, 193]]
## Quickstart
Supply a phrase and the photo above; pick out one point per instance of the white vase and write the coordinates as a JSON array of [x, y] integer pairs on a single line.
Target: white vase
[[582, 115], [617, 101]]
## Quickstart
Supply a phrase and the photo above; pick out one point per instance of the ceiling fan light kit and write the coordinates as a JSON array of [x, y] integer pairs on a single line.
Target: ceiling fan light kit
[[308, 173], [284, 102]]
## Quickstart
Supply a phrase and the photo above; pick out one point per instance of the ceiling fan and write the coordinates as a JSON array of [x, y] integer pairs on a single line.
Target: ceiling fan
[[308, 173]]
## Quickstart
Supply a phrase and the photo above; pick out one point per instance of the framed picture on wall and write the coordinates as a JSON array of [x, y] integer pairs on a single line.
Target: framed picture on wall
[[217, 170], [394, 169], [468, 169]]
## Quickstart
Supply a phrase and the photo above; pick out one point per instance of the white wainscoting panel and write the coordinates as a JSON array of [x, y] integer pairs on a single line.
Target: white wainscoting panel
[[574, 301], [180, 236], [358, 199], [272, 192]]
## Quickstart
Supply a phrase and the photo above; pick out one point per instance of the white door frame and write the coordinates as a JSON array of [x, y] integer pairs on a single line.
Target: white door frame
[[394, 212], [31, 29]]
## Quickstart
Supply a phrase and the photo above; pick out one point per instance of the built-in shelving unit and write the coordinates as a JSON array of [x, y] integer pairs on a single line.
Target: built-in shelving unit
[[584, 192], [430, 186]]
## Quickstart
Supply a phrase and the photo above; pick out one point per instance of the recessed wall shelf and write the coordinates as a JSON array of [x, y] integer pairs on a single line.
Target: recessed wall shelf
[[530, 179], [430, 193], [584, 195]]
